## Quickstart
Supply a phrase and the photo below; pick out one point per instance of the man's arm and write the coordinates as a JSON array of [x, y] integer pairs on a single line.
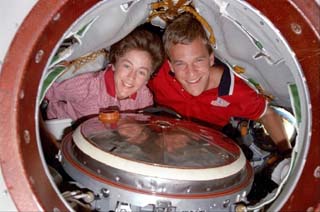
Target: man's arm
[[272, 122]]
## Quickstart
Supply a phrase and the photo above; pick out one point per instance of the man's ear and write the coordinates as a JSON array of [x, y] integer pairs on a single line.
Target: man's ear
[[170, 65], [211, 59]]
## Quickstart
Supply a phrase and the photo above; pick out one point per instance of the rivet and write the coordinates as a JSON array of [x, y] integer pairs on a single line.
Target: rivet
[[21, 95], [56, 17], [105, 192], [310, 209], [39, 56], [56, 210], [31, 180], [99, 171], [26, 136], [117, 179], [296, 28], [316, 172], [261, 22]]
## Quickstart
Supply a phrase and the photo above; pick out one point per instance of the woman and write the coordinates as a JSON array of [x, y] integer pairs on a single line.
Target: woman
[[123, 84]]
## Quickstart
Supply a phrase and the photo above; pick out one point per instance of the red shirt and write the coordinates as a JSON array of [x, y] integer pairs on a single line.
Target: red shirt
[[232, 98]]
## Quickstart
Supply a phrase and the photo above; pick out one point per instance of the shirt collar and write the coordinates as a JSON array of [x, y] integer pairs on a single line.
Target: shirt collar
[[110, 84], [226, 83]]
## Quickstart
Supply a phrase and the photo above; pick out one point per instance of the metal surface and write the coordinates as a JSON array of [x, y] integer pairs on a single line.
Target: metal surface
[[168, 158], [22, 168], [306, 46]]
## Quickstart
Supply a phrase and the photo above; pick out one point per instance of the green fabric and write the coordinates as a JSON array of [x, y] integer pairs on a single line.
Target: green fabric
[[85, 28], [50, 78], [295, 101], [253, 82]]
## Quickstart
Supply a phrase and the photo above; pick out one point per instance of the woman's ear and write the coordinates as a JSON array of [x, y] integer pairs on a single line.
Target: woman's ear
[[211, 59], [112, 67]]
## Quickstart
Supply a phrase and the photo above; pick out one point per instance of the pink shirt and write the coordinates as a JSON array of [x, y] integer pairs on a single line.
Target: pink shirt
[[87, 93]]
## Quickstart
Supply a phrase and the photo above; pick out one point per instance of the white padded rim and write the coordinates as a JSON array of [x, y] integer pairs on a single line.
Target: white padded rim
[[157, 171]]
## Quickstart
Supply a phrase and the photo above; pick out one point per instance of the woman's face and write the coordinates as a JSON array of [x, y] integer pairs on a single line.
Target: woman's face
[[132, 71]]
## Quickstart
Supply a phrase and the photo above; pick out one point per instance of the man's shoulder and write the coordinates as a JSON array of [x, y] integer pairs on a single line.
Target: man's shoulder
[[160, 77], [163, 70]]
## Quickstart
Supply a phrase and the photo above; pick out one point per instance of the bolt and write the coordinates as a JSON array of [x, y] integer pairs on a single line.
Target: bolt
[[296, 28], [26, 136], [31, 180], [39, 56], [316, 172], [57, 17], [21, 95], [105, 192], [310, 209], [56, 209]]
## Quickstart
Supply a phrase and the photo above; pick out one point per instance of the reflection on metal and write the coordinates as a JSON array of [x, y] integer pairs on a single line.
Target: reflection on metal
[[21, 79], [143, 159]]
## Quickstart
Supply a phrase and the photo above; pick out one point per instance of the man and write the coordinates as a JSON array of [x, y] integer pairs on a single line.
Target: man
[[193, 86]]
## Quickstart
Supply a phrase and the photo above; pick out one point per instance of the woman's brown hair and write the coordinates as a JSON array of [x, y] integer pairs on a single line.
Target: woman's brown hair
[[139, 39]]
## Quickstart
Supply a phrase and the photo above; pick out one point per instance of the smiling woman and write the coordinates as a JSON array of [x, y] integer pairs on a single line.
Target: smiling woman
[[122, 84], [277, 49]]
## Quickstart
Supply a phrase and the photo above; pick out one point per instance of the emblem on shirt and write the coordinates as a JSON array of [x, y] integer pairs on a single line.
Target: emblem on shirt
[[220, 102]]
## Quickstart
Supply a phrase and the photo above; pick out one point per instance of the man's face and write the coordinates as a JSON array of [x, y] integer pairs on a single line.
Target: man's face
[[191, 64]]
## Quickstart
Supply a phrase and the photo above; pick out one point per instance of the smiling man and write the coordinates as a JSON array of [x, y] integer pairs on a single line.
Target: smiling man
[[192, 85]]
